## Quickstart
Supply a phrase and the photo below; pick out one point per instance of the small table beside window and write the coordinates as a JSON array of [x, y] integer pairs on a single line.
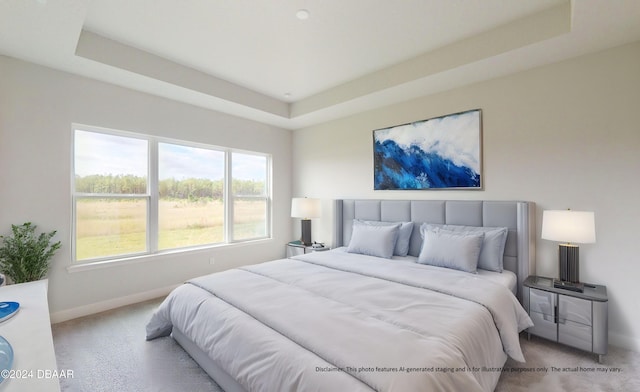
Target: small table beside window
[[295, 248], [29, 333]]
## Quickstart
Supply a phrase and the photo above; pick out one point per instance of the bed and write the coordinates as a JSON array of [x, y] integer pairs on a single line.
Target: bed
[[348, 320]]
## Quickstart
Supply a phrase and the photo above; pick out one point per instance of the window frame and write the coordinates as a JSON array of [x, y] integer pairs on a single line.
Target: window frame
[[153, 197]]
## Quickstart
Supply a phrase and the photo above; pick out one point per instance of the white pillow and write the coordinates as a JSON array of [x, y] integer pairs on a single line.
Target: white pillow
[[492, 252], [372, 240], [451, 249], [404, 234]]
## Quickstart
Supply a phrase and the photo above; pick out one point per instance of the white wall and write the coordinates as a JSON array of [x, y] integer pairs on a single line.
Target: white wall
[[38, 106], [563, 136]]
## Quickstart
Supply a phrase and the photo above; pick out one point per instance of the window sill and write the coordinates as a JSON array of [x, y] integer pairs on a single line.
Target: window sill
[[88, 266]]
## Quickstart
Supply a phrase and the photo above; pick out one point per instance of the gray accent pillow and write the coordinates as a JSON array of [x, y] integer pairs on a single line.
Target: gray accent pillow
[[492, 252], [404, 234], [448, 249], [373, 240]]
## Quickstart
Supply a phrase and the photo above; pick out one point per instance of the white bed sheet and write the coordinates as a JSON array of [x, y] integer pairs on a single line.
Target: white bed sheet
[[506, 278], [326, 312]]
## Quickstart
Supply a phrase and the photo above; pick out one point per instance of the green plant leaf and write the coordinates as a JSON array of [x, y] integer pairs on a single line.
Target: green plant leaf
[[25, 256]]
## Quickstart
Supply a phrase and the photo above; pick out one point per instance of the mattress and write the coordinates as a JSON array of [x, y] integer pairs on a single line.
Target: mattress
[[339, 321]]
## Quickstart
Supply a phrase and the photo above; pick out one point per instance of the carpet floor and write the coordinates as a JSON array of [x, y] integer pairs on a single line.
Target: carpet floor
[[108, 352]]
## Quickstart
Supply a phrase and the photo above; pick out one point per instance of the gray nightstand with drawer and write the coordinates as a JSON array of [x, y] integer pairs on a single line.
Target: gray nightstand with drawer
[[576, 319], [295, 248]]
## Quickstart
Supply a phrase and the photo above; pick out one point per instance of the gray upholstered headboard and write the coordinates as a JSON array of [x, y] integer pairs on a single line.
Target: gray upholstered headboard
[[518, 216]]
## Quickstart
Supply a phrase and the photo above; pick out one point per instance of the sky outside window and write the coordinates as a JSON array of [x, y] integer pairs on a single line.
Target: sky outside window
[[102, 154], [182, 162]]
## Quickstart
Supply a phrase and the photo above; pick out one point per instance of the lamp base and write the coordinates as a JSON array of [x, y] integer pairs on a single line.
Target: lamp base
[[569, 263], [306, 231]]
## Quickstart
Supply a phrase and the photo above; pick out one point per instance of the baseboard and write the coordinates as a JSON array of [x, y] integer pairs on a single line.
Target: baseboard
[[114, 303], [625, 342]]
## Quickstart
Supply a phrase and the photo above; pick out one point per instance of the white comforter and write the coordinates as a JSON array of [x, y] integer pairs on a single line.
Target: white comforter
[[340, 321]]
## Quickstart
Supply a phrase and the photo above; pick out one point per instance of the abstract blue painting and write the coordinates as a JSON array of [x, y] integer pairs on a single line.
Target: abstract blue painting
[[438, 153]]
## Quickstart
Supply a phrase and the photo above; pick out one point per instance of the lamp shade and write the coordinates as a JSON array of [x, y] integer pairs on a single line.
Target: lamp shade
[[569, 226], [302, 207]]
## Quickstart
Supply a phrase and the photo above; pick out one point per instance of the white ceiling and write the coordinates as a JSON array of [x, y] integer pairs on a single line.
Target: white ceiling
[[242, 56]]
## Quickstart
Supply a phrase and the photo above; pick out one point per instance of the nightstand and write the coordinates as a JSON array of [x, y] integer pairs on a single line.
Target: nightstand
[[295, 248], [576, 319]]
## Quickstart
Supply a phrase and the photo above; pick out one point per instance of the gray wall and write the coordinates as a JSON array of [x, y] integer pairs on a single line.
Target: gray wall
[[565, 135], [38, 106]]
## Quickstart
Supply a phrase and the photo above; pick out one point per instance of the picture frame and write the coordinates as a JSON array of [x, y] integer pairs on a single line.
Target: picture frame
[[440, 153]]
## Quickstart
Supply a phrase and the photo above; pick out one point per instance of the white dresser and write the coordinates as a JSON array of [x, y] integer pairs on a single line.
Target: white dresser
[[29, 333]]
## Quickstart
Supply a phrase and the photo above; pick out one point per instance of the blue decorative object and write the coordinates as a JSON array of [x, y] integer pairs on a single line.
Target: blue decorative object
[[6, 357], [439, 153], [8, 310]]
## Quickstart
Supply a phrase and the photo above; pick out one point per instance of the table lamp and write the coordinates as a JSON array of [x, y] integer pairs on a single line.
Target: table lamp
[[570, 227], [302, 207]]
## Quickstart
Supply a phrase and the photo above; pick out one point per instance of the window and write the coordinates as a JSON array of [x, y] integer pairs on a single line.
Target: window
[[112, 198], [135, 194], [249, 194], [191, 196]]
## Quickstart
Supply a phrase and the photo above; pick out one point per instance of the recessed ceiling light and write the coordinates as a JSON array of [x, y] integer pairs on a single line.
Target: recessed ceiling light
[[287, 95], [302, 14]]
